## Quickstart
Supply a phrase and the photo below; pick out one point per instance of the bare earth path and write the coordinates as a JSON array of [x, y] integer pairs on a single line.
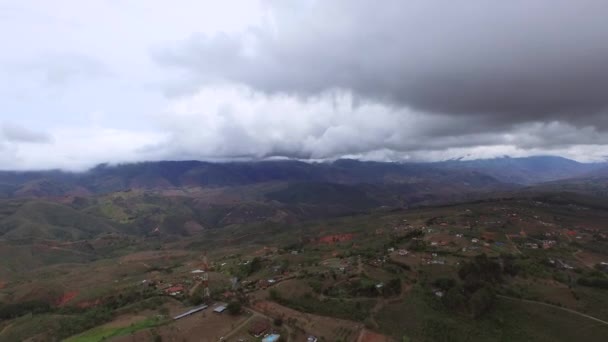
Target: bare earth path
[[238, 327]]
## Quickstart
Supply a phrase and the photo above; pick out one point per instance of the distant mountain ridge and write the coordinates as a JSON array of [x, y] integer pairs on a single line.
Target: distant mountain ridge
[[182, 197], [528, 170], [467, 175]]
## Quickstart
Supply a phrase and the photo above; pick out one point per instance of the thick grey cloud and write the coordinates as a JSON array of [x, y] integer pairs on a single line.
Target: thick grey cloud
[[313, 79], [502, 63]]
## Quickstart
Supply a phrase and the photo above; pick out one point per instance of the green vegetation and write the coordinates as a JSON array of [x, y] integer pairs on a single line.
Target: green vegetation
[[354, 310], [455, 288], [9, 311], [105, 333], [594, 278], [420, 319]]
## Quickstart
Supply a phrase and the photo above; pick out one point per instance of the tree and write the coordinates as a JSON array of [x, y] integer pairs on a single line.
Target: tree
[[234, 308], [454, 299], [482, 301], [196, 298], [444, 283]]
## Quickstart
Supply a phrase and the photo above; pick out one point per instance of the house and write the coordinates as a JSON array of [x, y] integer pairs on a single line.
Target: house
[[174, 290], [312, 339], [259, 327]]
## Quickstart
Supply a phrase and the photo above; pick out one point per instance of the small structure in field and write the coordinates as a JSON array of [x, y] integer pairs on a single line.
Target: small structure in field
[[271, 338], [220, 308], [190, 312]]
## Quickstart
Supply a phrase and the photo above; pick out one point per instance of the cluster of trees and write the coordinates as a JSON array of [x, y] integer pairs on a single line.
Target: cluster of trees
[[365, 287], [10, 311], [351, 309], [397, 239], [234, 307], [74, 324], [246, 269], [475, 293]]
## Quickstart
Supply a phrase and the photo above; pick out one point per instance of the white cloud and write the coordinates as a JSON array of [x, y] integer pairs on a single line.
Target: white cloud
[[79, 148], [237, 122]]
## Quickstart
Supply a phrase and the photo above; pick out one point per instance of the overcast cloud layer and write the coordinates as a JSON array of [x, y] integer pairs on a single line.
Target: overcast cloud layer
[[120, 81]]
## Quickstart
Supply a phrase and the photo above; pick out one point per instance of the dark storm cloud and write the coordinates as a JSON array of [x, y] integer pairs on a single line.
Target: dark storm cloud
[[499, 62]]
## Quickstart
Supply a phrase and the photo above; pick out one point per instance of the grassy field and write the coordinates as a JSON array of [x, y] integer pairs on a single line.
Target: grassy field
[[106, 332]]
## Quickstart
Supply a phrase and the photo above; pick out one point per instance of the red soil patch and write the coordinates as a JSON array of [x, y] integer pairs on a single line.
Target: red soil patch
[[331, 239], [488, 236], [370, 336], [67, 297], [2, 284]]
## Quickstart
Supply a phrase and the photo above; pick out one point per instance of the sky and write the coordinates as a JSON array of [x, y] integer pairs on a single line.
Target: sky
[[115, 81]]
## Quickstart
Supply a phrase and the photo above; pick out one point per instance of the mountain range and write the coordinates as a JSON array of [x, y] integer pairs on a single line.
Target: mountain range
[[461, 175], [183, 197]]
